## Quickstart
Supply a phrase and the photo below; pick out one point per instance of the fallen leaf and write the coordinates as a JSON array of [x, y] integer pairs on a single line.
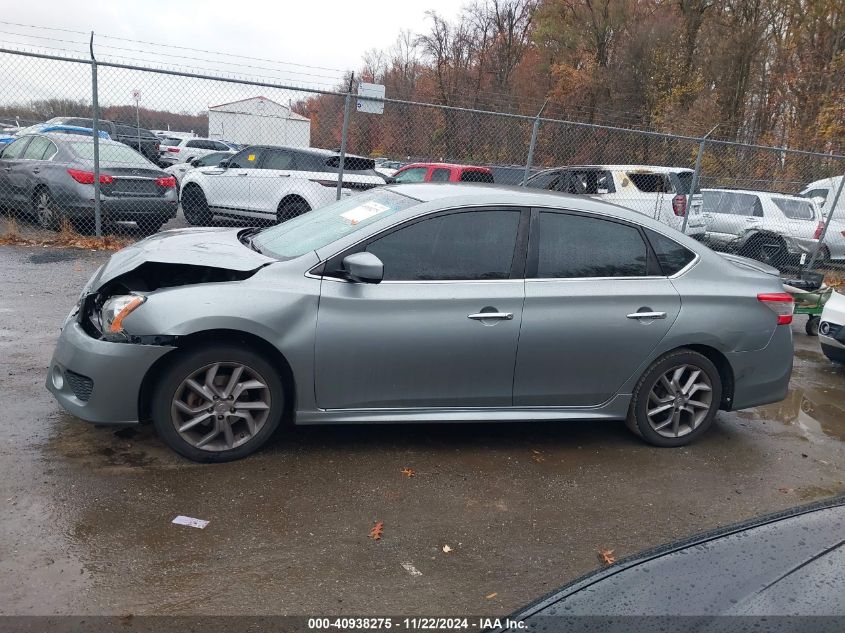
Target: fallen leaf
[[490, 596], [785, 490], [378, 528], [446, 549], [606, 556], [408, 472]]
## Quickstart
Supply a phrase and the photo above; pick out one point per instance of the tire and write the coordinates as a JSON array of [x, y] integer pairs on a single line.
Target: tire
[[693, 421], [195, 206], [812, 326], [768, 250], [46, 211], [291, 209], [266, 403]]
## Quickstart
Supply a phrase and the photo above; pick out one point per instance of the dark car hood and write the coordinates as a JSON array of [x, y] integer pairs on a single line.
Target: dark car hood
[[787, 564], [210, 247]]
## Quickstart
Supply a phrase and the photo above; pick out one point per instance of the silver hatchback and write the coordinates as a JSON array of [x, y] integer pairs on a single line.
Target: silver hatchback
[[423, 303]]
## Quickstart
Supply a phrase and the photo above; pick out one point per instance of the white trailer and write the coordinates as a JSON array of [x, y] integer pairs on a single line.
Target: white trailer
[[258, 121]]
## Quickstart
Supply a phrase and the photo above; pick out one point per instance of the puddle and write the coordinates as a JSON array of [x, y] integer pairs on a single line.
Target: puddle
[[51, 257], [817, 413]]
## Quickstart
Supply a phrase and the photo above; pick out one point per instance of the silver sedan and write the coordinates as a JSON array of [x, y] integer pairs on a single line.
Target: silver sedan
[[423, 303]]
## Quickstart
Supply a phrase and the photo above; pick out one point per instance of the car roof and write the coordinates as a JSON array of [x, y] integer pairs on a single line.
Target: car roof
[[315, 151], [663, 169], [829, 181], [447, 166], [753, 192]]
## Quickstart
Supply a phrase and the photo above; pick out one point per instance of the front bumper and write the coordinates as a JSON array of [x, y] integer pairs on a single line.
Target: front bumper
[[762, 376], [96, 380]]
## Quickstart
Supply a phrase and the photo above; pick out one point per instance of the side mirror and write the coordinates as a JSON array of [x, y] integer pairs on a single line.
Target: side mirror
[[195, 162], [364, 267]]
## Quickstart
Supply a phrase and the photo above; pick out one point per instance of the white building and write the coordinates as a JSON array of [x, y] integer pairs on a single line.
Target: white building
[[258, 121]]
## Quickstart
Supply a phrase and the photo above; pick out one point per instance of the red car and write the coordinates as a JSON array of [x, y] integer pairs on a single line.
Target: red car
[[442, 172]]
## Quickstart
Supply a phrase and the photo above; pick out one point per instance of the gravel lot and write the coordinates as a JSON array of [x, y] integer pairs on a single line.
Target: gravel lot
[[86, 521]]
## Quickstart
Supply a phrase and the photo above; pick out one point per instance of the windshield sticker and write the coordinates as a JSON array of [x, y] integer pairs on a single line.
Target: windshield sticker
[[364, 212], [251, 157]]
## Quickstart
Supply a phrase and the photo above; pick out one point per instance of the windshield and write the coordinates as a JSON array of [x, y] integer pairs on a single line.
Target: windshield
[[316, 229], [109, 152]]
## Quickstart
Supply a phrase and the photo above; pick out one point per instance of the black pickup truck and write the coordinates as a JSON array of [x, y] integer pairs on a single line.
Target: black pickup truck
[[139, 139]]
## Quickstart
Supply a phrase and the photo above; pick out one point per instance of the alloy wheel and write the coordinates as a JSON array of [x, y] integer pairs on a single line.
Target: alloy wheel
[[221, 406], [679, 401], [44, 209]]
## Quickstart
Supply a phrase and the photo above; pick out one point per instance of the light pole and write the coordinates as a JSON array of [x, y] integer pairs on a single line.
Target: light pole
[[136, 95]]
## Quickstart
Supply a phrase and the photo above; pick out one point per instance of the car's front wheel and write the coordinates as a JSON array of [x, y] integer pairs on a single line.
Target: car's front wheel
[[676, 399], [195, 206], [218, 403]]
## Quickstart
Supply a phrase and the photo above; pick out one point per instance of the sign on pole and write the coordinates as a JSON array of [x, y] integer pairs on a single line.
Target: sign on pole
[[371, 90]]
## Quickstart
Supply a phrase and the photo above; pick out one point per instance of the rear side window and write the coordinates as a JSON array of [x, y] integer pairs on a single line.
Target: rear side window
[[472, 175], [277, 159], [15, 148], [671, 255], [467, 245], [651, 182], [588, 182], [36, 148], [730, 203], [577, 246], [352, 163], [440, 175], [816, 193], [685, 182], [795, 209]]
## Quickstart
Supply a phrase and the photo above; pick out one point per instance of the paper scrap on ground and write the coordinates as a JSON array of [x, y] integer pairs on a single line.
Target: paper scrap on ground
[[409, 567], [364, 211], [190, 522]]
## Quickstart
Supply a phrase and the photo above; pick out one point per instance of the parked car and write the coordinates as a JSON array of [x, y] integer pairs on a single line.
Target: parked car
[[832, 328], [187, 149], [823, 193], [59, 129], [272, 184], [441, 172], [416, 303], [209, 160], [775, 573], [769, 227], [654, 191], [388, 167], [52, 176], [510, 174], [140, 139]]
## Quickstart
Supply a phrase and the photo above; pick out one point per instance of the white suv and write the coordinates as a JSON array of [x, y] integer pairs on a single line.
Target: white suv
[[832, 328], [655, 191], [174, 151], [823, 192], [272, 184], [770, 227]]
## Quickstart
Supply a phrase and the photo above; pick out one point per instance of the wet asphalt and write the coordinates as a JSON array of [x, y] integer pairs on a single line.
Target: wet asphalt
[[86, 528]]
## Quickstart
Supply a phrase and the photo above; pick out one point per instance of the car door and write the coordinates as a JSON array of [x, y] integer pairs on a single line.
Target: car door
[[587, 279], [12, 171], [29, 170], [420, 338], [229, 188], [271, 180], [728, 215], [411, 174]]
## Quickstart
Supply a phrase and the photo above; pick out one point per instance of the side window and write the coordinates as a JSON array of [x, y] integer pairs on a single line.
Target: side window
[[277, 159], [15, 148], [440, 175], [196, 144], [651, 182], [545, 180], [246, 159], [220, 147], [589, 182], [671, 255], [474, 175], [790, 207], [465, 245], [210, 159], [50, 151], [36, 148], [574, 246], [821, 194], [414, 174]]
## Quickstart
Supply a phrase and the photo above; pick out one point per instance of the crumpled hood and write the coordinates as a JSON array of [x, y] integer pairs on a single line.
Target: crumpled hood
[[212, 247]]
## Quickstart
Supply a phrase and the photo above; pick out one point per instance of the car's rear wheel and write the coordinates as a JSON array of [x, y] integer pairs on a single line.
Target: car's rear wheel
[[195, 206], [676, 399], [767, 249], [812, 325], [218, 403], [47, 212], [290, 209]]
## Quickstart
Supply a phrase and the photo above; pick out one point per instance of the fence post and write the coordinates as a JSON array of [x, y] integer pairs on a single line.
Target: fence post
[[343, 134], [822, 235], [95, 126], [696, 176], [534, 130]]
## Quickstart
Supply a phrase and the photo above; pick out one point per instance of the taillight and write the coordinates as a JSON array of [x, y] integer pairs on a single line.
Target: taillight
[[166, 181], [679, 205], [87, 177], [325, 183], [817, 235], [175, 150], [781, 303]]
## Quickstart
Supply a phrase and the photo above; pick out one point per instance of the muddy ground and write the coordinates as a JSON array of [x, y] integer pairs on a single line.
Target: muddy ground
[[86, 528]]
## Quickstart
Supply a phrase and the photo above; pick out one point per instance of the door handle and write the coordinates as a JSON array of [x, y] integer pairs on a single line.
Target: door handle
[[482, 316], [647, 315], [243, 174]]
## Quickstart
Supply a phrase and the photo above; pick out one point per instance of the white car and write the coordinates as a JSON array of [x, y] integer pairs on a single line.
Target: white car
[[389, 167], [174, 151], [272, 184], [770, 227], [823, 192], [209, 160], [832, 328], [655, 191]]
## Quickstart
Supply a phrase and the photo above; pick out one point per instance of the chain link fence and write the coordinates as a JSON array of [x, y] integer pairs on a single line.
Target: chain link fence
[[174, 149]]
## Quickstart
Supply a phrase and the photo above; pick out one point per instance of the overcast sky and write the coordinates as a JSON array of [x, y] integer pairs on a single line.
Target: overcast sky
[[319, 40]]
